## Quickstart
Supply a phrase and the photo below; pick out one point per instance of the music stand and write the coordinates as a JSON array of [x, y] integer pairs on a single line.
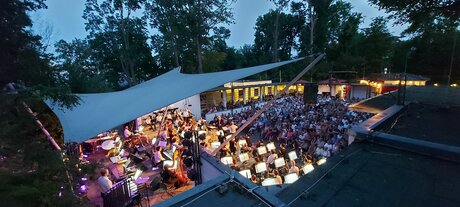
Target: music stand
[[242, 142], [279, 162], [215, 145], [292, 155], [162, 143], [307, 168], [261, 167], [137, 174], [262, 150], [220, 133], [227, 160], [290, 178], [246, 173], [269, 181], [271, 146], [244, 157]]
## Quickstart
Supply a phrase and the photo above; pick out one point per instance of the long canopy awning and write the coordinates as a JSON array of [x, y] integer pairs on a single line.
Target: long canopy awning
[[100, 112]]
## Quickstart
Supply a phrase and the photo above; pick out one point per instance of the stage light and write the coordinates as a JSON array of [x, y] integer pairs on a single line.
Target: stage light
[[308, 168], [321, 161]]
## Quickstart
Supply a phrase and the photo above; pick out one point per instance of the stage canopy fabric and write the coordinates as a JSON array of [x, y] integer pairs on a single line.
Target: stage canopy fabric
[[100, 112]]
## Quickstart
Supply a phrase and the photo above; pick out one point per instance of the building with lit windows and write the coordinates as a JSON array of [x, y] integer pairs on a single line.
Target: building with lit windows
[[382, 83]]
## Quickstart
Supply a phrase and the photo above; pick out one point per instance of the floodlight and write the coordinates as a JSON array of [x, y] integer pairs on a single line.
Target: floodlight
[[290, 178]]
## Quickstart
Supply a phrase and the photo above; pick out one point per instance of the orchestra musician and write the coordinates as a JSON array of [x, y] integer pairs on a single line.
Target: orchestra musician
[[168, 176], [158, 157], [126, 133]]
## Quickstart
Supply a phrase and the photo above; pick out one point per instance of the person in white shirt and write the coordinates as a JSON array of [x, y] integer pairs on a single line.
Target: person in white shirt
[[105, 184], [271, 159], [232, 128], [126, 132]]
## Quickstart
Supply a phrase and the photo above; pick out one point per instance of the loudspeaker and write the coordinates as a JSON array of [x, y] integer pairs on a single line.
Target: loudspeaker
[[310, 93]]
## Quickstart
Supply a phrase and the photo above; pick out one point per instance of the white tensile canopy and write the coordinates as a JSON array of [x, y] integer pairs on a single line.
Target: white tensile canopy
[[100, 112]]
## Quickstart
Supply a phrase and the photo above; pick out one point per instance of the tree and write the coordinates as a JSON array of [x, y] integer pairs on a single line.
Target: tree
[[279, 6], [188, 30], [377, 45], [74, 60], [119, 40], [263, 43], [418, 12], [32, 173], [167, 17]]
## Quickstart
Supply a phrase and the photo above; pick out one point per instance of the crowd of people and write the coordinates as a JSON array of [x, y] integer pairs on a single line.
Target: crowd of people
[[237, 104], [313, 131]]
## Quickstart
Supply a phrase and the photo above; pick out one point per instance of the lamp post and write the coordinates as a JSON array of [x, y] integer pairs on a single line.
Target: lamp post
[[405, 75]]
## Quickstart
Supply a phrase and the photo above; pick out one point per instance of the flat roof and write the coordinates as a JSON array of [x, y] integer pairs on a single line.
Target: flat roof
[[430, 123], [367, 174]]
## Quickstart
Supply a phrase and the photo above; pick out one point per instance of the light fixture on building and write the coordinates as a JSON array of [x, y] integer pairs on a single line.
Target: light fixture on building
[[436, 84]]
